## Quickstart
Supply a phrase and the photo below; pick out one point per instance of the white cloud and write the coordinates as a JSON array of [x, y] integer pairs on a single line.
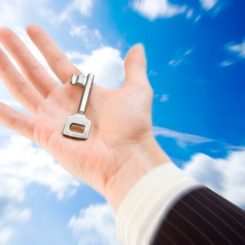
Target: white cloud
[[227, 63], [88, 37], [181, 138], [19, 12], [10, 12], [180, 59], [31, 164], [208, 4], [12, 195], [157, 8], [237, 50], [17, 215], [154, 9], [94, 225], [22, 163], [12, 189], [225, 176], [5, 235], [79, 31], [10, 216], [164, 98], [75, 56], [83, 7], [105, 62]]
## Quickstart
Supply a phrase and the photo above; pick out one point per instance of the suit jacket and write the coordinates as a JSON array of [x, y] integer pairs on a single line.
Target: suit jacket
[[202, 217], [167, 207]]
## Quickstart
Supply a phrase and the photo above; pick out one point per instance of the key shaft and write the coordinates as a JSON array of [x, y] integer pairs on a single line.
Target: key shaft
[[86, 92]]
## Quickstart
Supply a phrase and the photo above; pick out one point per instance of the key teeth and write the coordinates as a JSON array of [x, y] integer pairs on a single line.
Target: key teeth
[[78, 80], [73, 79], [81, 79]]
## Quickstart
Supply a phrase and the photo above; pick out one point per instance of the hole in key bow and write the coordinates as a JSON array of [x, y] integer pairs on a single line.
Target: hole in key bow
[[77, 128]]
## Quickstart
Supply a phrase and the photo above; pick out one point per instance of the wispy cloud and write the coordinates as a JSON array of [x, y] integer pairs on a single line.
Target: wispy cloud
[[180, 137], [237, 49], [208, 4], [180, 58], [227, 63], [157, 8], [225, 176], [94, 225], [83, 7], [164, 98], [237, 52], [90, 37]]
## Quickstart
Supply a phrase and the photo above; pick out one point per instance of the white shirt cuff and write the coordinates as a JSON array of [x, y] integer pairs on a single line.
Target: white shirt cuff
[[148, 202]]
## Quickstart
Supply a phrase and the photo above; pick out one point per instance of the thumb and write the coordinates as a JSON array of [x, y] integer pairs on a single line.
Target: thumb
[[135, 66]]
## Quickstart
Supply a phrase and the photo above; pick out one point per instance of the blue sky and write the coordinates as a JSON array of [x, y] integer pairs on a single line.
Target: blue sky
[[196, 65]]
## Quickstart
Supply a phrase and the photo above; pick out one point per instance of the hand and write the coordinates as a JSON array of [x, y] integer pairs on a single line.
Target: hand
[[121, 132]]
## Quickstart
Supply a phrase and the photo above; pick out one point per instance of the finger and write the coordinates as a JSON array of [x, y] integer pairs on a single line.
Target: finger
[[135, 66], [16, 121], [33, 70], [56, 59], [22, 89]]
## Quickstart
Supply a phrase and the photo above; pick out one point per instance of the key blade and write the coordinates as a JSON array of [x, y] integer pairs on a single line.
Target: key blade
[[86, 92]]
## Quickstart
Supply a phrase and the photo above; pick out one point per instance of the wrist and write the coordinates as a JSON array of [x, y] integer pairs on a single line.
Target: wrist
[[144, 157]]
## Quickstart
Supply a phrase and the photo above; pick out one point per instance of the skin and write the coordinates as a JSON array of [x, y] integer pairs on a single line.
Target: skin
[[120, 145]]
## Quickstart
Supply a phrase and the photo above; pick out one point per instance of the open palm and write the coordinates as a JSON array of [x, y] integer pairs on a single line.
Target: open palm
[[120, 117]]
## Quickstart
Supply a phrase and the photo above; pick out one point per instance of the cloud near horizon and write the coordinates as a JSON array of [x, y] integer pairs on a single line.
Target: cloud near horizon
[[226, 176], [95, 224], [23, 163]]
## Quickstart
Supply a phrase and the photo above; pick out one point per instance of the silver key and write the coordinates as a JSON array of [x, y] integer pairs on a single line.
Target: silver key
[[79, 119]]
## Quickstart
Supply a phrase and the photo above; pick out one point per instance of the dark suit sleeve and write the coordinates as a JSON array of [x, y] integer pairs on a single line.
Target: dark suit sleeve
[[167, 207], [201, 217]]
